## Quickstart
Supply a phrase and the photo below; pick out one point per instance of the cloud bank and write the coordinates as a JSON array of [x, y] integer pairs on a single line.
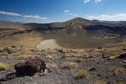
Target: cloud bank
[[9, 13], [24, 16], [34, 17], [114, 17]]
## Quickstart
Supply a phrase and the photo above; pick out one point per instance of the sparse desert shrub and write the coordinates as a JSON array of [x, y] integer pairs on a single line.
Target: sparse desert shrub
[[100, 82], [112, 57], [95, 51], [118, 70], [81, 74], [51, 57], [114, 50], [79, 51], [5, 67], [26, 57], [51, 65], [69, 65], [5, 57], [78, 59], [7, 51], [120, 82]]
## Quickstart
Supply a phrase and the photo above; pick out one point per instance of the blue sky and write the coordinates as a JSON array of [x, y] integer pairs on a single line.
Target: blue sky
[[44, 11]]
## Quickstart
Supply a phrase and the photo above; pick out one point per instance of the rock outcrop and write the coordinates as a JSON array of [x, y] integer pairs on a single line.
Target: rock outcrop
[[30, 67]]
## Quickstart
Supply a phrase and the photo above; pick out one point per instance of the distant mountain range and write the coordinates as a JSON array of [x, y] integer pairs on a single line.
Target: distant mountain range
[[74, 26]]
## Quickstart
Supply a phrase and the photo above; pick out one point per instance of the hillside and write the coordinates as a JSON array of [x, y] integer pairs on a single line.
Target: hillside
[[78, 51], [79, 32]]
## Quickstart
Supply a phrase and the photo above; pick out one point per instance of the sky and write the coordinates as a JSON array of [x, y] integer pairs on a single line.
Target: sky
[[46, 11]]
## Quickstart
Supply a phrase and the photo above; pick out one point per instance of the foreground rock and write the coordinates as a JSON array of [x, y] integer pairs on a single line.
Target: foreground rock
[[30, 67]]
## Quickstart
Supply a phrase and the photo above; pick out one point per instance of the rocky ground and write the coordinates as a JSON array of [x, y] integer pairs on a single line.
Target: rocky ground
[[88, 65], [69, 66]]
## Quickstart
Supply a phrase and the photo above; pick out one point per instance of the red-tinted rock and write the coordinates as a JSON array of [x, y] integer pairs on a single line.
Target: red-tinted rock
[[30, 67]]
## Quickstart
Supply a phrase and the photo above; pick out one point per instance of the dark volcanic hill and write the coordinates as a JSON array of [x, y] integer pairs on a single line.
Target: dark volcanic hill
[[81, 26], [77, 31]]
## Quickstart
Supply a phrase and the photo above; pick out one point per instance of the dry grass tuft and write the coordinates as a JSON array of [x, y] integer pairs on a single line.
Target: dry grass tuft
[[51, 57], [69, 65], [5, 67], [5, 57], [100, 82], [112, 57], [120, 82], [95, 51], [51, 65], [79, 60], [118, 70], [81, 74]]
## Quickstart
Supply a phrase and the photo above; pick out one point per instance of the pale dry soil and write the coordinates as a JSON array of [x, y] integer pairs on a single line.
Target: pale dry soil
[[48, 44]]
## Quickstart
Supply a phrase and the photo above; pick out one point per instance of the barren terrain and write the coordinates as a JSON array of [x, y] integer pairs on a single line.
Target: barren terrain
[[48, 44], [77, 51]]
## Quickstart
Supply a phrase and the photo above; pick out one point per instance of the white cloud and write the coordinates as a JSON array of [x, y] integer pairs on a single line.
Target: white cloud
[[72, 14], [96, 1], [34, 17], [9, 13], [115, 17], [66, 11], [86, 1], [25, 16]]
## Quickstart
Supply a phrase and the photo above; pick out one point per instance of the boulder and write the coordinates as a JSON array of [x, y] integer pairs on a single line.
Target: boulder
[[30, 67]]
